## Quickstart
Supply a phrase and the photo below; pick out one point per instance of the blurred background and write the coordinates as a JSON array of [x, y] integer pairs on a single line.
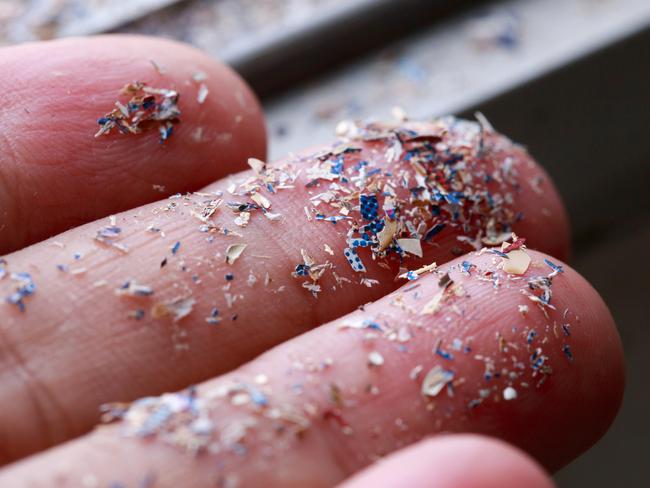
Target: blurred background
[[568, 78]]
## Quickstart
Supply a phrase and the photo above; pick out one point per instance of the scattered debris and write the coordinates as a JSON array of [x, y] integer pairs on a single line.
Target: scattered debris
[[146, 106], [233, 251], [24, 288]]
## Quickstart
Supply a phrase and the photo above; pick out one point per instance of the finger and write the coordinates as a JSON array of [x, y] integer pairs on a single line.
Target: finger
[[84, 313], [323, 406], [55, 174], [454, 461]]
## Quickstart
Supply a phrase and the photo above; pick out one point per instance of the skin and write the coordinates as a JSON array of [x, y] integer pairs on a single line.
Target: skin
[[52, 96], [441, 462], [48, 398]]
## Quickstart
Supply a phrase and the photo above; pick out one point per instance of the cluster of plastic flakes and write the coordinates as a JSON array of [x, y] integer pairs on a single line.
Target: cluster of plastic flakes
[[176, 418], [146, 106], [417, 180], [25, 287]]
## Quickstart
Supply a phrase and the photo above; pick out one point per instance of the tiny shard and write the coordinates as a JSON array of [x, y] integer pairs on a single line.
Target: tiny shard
[[509, 393], [108, 234], [178, 308], [517, 262], [214, 317], [375, 359], [385, 235], [257, 165], [566, 349], [413, 275], [354, 260], [199, 76], [555, 267], [411, 246], [131, 288], [435, 380], [261, 200], [233, 252], [202, 94]]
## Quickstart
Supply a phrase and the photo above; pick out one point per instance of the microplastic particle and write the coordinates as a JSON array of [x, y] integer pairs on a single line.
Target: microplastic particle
[[233, 251], [435, 380], [375, 359], [509, 393]]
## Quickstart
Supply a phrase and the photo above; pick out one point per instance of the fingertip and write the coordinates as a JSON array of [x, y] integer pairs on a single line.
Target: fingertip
[[55, 92], [542, 214], [590, 373], [461, 460], [557, 420]]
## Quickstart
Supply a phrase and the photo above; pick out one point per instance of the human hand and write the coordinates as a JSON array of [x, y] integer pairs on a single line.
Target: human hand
[[168, 302]]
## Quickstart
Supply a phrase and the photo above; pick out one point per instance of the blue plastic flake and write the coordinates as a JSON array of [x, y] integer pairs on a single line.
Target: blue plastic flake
[[139, 290], [369, 206], [230, 276], [25, 288], [433, 230], [369, 324], [474, 403], [176, 247], [375, 226], [531, 336], [467, 266], [537, 360], [165, 132], [444, 354], [334, 219], [258, 397], [337, 167], [499, 253], [410, 275], [555, 267], [302, 269], [147, 103], [354, 260], [360, 165], [109, 231], [567, 352], [453, 197], [354, 243]]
